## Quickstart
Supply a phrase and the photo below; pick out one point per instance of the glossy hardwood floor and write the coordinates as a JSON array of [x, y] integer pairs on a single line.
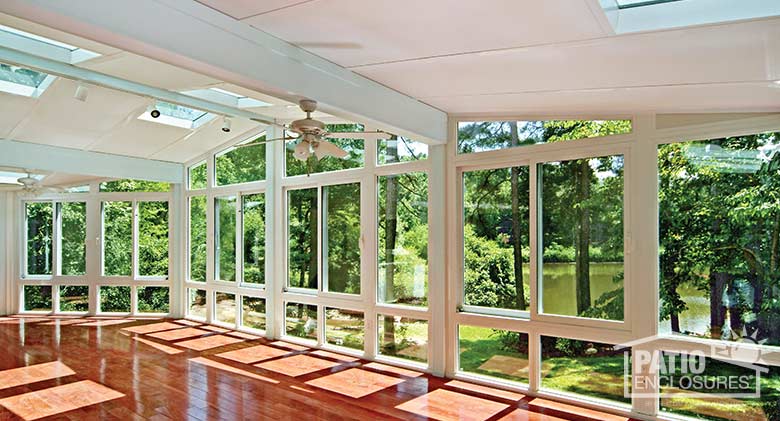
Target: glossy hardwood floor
[[122, 369]]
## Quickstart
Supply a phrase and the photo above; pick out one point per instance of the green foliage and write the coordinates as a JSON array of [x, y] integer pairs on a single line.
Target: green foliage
[[39, 237], [225, 211], [301, 320], [342, 238], [302, 238], [115, 299], [406, 150], [253, 214], [153, 299], [37, 298], [241, 165], [117, 238], [134, 186], [198, 238], [74, 298], [153, 238], [488, 274], [198, 176], [74, 238]]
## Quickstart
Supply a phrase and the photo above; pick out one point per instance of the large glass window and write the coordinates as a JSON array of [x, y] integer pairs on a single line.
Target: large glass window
[[403, 337], [253, 314], [225, 238], [719, 221], [74, 298], [139, 186], [583, 367], [582, 237], [500, 354], [153, 299], [344, 328], [301, 320], [117, 238], [492, 135], [115, 299], [198, 249], [40, 234], [225, 310], [196, 303], [37, 297], [403, 239], [73, 238], [496, 238], [253, 214], [341, 238], [197, 176], [400, 149], [302, 238], [241, 165], [153, 239]]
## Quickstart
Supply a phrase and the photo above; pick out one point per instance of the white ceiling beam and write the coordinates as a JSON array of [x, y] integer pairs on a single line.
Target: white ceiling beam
[[48, 158], [193, 36], [69, 71]]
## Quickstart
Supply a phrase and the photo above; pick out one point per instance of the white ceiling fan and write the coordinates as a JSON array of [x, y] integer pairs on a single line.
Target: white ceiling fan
[[311, 135], [28, 186]]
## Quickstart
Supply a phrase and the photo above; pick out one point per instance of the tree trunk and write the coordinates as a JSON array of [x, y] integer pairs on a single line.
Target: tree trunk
[[391, 228], [675, 319], [718, 281], [582, 253], [313, 258], [517, 239]]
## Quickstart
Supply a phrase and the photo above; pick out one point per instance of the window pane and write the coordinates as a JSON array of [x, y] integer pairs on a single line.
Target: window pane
[[403, 337], [37, 298], [73, 242], [39, 238], [586, 368], [114, 299], [153, 238], [313, 165], [492, 135], [253, 214], [117, 238], [302, 238], [712, 379], [198, 238], [719, 229], [196, 303], [391, 151], [225, 236], [496, 238], [582, 233], [254, 312], [197, 176], [341, 238], [134, 186], [403, 239], [226, 307], [301, 320], [344, 328], [496, 353], [74, 298], [241, 165], [153, 299]]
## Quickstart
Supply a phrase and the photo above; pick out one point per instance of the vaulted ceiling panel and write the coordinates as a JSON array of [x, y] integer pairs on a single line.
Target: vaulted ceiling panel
[[241, 9], [151, 72], [205, 138], [354, 32], [139, 138], [59, 119], [13, 109]]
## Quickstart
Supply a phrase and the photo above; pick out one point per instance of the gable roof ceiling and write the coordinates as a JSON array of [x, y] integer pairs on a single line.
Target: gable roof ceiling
[[541, 56]]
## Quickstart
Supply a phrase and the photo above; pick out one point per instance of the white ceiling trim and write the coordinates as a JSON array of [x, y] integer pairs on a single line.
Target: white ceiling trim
[[73, 161], [194, 36]]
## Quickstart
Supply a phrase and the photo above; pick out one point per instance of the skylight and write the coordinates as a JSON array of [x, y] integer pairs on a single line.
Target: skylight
[[22, 81], [178, 116], [225, 97], [650, 15], [42, 46]]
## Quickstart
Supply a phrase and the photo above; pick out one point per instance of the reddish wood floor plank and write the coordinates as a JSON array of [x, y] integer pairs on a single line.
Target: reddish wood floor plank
[[121, 371]]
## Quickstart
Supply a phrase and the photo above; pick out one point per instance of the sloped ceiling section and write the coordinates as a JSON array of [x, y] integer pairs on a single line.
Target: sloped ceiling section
[[535, 56]]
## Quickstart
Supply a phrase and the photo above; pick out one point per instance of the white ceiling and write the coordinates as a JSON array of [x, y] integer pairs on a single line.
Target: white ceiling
[[530, 56]]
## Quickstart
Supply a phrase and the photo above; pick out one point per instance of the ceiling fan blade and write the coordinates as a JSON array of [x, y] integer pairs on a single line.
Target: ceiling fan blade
[[359, 135], [325, 148], [262, 142], [332, 45]]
